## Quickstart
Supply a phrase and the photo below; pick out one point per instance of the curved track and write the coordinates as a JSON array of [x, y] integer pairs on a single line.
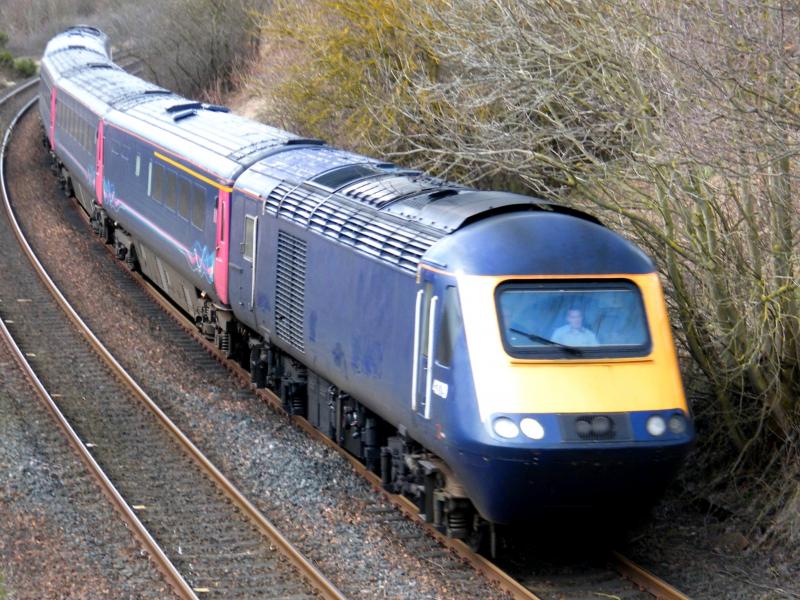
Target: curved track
[[204, 535]]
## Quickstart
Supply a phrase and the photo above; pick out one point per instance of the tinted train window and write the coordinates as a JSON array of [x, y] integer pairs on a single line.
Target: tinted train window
[[169, 191], [572, 319], [198, 207], [426, 311], [183, 198], [451, 324], [158, 182], [249, 230]]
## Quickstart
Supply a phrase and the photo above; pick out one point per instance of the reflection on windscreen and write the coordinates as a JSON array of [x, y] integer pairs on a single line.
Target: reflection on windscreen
[[554, 318]]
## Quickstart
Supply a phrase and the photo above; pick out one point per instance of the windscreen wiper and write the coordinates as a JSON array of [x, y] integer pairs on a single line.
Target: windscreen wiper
[[544, 340]]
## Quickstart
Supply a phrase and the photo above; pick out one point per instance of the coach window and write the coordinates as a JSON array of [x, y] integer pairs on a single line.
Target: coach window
[[158, 180], [170, 191], [183, 198], [138, 168], [198, 207]]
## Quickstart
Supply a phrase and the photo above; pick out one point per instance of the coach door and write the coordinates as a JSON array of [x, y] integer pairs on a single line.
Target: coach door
[[244, 255], [424, 334]]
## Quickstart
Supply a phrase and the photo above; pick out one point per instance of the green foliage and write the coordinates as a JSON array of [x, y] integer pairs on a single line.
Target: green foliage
[[3, 39], [360, 59], [26, 67], [6, 59]]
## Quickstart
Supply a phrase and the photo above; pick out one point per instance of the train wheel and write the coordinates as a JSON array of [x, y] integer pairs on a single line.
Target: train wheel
[[483, 537]]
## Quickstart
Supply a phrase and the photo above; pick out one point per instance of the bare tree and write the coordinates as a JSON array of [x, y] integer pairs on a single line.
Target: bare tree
[[678, 122]]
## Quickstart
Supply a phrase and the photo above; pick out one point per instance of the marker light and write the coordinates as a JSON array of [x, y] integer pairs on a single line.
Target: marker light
[[677, 424], [532, 428], [656, 425], [506, 428]]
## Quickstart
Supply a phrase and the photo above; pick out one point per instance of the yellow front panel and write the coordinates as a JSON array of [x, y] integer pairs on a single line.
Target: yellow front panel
[[512, 385]]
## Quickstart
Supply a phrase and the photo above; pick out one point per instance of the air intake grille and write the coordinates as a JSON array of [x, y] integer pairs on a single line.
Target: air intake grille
[[380, 191], [290, 286], [388, 238]]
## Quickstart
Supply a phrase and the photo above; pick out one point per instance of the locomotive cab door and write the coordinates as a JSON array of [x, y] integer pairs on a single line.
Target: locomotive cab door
[[424, 334], [437, 326], [243, 257]]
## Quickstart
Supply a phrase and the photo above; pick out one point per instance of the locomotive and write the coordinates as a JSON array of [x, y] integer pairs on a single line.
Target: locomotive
[[491, 355]]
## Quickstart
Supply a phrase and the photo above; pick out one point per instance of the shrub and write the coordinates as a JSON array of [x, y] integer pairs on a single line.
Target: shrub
[[25, 67], [3, 39], [6, 60]]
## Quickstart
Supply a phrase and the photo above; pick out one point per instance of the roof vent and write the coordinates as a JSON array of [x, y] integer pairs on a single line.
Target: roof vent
[[183, 115], [184, 106], [304, 142], [442, 193], [341, 176]]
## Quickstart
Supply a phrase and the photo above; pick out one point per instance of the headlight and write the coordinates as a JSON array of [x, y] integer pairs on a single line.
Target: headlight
[[656, 425], [601, 425], [506, 428], [532, 428], [677, 424]]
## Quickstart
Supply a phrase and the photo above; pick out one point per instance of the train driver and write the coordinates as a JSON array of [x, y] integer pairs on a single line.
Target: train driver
[[574, 333]]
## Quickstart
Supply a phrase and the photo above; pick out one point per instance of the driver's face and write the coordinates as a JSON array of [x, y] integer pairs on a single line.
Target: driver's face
[[575, 319]]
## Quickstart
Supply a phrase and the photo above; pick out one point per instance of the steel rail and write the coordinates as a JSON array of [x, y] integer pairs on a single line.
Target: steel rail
[[19, 89], [653, 584], [162, 562], [316, 578]]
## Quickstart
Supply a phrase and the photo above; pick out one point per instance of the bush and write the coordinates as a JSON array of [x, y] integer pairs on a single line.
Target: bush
[[3, 39], [6, 60], [25, 67]]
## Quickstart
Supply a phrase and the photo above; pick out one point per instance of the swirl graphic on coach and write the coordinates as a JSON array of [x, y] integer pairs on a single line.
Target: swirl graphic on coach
[[201, 260]]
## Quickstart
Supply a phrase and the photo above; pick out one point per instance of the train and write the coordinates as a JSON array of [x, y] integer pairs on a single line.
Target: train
[[490, 355]]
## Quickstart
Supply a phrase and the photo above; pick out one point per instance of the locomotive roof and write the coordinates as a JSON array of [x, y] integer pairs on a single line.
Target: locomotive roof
[[385, 211]]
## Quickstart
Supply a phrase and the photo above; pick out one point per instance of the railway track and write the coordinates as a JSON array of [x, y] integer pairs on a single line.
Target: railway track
[[205, 537], [511, 586]]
